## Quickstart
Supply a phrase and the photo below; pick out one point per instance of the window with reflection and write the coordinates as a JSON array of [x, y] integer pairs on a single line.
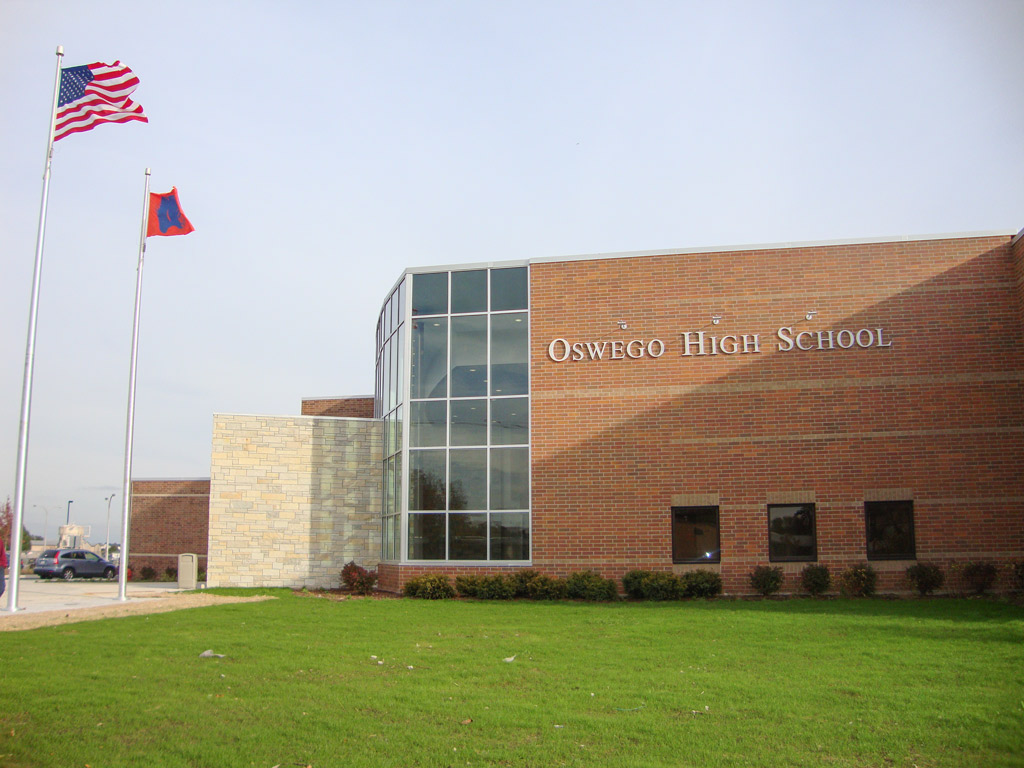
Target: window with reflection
[[468, 479], [695, 535], [890, 530], [429, 366], [791, 533]]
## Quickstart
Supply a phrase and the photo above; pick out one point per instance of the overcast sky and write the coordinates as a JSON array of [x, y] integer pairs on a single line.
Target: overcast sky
[[319, 148]]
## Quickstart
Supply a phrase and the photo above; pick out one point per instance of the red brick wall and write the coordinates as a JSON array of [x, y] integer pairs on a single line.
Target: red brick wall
[[169, 517], [940, 413], [353, 407]]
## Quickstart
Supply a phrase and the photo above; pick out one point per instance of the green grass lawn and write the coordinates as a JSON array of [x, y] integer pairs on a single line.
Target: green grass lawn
[[309, 681]]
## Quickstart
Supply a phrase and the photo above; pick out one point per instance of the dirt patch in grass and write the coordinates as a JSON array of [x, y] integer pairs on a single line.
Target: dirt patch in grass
[[21, 621]]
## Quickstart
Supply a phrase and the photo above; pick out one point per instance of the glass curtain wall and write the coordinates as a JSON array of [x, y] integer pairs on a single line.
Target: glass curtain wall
[[469, 416], [388, 402]]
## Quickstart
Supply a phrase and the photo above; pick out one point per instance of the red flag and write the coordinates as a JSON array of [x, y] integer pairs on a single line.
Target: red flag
[[165, 216]]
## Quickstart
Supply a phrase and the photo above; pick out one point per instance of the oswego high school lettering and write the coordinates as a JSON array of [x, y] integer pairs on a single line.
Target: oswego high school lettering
[[699, 343]]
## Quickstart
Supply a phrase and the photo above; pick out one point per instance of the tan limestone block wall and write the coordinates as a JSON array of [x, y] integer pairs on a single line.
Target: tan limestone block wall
[[292, 499]]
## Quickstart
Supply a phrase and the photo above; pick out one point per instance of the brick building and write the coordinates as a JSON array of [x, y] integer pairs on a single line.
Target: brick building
[[714, 408], [708, 408]]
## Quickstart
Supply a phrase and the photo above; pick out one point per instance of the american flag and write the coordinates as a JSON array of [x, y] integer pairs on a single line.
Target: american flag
[[94, 94]]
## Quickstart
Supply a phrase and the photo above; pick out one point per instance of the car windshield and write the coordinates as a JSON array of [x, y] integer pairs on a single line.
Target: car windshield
[[49, 553]]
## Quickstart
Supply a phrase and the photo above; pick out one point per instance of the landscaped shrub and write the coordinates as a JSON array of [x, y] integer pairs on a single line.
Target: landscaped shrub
[[170, 573], [358, 579], [633, 583], [147, 573], [979, 577], [815, 579], [858, 581], [496, 588], [700, 583], [468, 586], [587, 585], [660, 586], [926, 577], [350, 572], [521, 579], [429, 586], [766, 579], [543, 587], [1018, 574], [365, 583], [201, 575]]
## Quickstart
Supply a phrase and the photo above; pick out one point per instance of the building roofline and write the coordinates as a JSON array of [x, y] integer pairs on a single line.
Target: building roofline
[[340, 397], [776, 246], [294, 416]]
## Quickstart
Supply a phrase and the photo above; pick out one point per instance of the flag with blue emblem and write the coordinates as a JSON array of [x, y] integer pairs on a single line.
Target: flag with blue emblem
[[165, 216], [93, 94]]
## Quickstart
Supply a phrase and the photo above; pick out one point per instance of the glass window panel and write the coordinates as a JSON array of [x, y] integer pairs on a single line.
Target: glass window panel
[[791, 533], [399, 380], [469, 291], [510, 354], [510, 478], [429, 423], [467, 536], [427, 479], [469, 422], [401, 302], [389, 486], [509, 289], [467, 479], [695, 535], [469, 356], [385, 538], [510, 536], [395, 319], [385, 362], [890, 530], [386, 317], [430, 294], [395, 427], [510, 421], [398, 483], [427, 537], [429, 369]]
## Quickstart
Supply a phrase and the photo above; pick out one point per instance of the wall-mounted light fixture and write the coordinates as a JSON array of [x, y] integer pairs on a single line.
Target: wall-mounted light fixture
[[810, 315], [622, 325], [716, 319]]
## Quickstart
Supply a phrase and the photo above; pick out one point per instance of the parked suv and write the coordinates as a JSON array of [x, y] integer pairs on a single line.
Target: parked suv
[[71, 563]]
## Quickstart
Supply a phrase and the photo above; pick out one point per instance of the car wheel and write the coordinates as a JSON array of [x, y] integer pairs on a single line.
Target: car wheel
[[68, 574], [108, 574]]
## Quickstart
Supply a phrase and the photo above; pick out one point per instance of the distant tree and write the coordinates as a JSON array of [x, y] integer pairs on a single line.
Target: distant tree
[[6, 522]]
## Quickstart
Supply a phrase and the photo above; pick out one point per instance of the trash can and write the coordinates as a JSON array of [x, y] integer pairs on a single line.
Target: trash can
[[188, 571]]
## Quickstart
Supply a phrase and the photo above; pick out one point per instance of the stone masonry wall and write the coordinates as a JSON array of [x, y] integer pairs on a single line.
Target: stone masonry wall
[[292, 499]]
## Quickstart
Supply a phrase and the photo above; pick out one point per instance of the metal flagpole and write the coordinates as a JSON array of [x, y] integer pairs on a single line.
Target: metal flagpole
[[126, 509], [30, 352]]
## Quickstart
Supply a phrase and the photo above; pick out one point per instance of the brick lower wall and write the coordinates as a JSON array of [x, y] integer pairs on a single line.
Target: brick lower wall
[[351, 407], [168, 518], [292, 499]]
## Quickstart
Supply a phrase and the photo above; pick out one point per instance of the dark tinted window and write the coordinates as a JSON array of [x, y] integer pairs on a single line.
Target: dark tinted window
[[695, 535], [430, 294], [509, 289], [791, 532], [890, 530], [469, 291]]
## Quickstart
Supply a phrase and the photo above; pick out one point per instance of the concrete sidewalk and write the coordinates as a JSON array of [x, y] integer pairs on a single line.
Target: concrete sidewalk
[[35, 594]]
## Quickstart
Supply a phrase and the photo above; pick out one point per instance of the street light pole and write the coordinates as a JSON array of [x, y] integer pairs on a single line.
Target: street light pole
[[106, 552]]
